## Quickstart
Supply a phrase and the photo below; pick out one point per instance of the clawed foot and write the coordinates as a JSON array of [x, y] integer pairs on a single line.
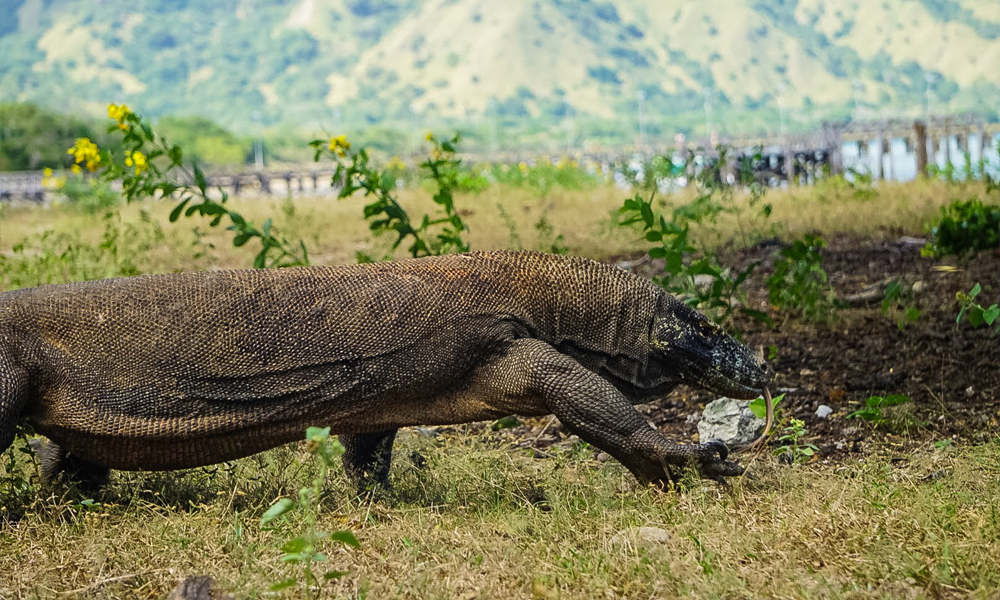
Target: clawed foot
[[709, 459], [717, 468]]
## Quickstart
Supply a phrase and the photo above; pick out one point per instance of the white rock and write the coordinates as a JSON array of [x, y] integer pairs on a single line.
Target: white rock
[[729, 421], [823, 411]]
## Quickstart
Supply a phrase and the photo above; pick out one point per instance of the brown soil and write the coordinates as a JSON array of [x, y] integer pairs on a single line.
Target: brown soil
[[950, 372]]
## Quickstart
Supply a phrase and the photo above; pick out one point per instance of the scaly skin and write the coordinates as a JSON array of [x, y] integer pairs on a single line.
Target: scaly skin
[[182, 370]]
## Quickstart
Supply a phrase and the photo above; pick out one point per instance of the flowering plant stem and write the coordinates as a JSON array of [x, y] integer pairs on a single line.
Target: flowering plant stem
[[150, 167], [355, 173]]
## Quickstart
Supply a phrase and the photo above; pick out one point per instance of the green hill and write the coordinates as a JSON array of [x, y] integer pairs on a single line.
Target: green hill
[[520, 68]]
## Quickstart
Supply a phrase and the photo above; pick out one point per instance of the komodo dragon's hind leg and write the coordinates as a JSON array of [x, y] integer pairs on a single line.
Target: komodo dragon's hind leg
[[60, 465], [367, 457]]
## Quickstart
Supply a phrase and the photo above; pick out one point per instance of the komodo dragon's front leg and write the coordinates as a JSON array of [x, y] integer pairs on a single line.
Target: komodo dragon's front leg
[[593, 409]]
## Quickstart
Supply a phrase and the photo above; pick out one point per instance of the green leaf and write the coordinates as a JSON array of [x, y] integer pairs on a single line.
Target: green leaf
[[295, 558], [895, 399], [176, 212], [317, 434], [277, 509], [646, 210], [295, 545], [653, 236], [334, 575], [283, 584], [506, 423], [199, 179], [345, 537], [759, 409], [976, 316], [990, 314]]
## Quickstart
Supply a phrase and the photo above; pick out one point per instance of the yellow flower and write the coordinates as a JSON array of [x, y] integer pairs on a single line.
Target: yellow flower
[[430, 136], [47, 172], [339, 145], [138, 160], [119, 112], [85, 152], [76, 169]]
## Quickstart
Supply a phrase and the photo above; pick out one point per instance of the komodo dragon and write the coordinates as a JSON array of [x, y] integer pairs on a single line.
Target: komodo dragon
[[180, 370]]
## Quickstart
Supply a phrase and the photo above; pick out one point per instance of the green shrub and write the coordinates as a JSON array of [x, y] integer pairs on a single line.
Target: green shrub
[[965, 227], [799, 283], [89, 195]]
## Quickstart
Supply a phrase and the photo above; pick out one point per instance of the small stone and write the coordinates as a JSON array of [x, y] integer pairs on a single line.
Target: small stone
[[198, 587], [603, 457], [642, 537], [917, 287], [729, 421], [823, 411]]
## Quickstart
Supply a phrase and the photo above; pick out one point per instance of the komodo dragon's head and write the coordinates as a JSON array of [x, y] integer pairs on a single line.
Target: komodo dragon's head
[[700, 353]]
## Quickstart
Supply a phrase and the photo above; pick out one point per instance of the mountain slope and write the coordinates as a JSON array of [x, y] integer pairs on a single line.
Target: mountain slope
[[337, 63]]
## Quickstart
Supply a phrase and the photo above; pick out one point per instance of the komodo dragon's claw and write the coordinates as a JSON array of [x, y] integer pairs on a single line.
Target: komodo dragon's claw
[[719, 447], [716, 468]]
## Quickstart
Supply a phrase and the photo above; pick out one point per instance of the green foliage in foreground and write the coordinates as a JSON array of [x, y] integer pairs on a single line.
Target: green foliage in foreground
[[304, 550]]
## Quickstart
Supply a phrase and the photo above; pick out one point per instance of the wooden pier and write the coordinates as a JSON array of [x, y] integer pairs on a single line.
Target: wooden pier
[[798, 158]]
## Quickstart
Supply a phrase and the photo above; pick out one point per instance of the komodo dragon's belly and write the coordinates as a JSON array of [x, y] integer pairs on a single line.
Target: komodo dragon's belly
[[183, 424]]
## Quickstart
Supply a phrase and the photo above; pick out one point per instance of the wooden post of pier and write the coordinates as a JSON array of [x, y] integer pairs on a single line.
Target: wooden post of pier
[[881, 155], [947, 142], [790, 165], [981, 137], [920, 146]]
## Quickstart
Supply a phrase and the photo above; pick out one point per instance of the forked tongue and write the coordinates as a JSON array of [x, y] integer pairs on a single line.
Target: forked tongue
[[768, 420]]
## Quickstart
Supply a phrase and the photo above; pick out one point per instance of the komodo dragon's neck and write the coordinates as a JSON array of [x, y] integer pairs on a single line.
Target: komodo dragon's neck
[[599, 314]]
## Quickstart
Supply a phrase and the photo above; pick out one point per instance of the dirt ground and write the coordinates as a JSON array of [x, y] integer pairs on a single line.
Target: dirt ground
[[951, 373]]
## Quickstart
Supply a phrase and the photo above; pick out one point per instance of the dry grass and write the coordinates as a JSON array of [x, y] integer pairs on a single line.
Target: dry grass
[[499, 218], [920, 523], [485, 520]]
